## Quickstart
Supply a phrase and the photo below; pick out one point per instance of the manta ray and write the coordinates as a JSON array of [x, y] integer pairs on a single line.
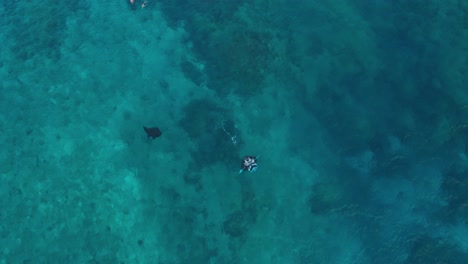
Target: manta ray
[[152, 132]]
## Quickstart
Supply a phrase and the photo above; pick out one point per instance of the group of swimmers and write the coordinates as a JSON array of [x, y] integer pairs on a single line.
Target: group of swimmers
[[143, 4]]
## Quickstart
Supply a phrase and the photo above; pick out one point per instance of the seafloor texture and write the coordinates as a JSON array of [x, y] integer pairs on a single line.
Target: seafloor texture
[[358, 111]]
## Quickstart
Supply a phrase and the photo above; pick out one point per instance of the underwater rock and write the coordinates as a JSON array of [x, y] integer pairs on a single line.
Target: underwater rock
[[45, 30], [430, 250], [212, 128], [237, 223], [192, 72], [194, 179], [455, 186]]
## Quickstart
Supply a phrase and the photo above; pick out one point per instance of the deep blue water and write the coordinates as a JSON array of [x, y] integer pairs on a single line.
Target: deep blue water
[[357, 111]]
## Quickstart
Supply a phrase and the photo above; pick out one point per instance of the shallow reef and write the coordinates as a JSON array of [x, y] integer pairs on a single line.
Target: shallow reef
[[454, 187], [236, 52], [43, 30], [212, 128], [433, 250]]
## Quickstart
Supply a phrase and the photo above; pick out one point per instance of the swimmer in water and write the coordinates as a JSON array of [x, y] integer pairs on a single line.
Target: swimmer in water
[[249, 163]]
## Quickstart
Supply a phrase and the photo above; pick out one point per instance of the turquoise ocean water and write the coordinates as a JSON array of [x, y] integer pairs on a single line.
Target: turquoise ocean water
[[357, 111]]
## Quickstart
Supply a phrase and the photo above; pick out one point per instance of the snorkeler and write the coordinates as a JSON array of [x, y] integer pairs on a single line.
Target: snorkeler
[[249, 163], [143, 4]]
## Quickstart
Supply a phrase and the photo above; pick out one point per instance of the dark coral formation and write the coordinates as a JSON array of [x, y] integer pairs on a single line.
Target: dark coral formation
[[239, 222], [431, 250], [43, 33], [192, 72], [340, 191], [238, 60], [455, 188], [212, 128], [236, 53]]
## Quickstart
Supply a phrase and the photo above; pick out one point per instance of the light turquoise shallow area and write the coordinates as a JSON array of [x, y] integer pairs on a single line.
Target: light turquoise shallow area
[[358, 113]]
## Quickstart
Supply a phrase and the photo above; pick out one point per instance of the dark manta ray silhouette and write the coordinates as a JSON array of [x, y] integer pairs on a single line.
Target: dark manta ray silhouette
[[152, 132]]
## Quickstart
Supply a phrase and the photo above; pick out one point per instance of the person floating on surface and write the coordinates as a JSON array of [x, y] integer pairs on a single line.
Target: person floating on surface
[[249, 163], [143, 4]]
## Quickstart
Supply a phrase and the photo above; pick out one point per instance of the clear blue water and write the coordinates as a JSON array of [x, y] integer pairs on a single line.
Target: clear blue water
[[358, 111]]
